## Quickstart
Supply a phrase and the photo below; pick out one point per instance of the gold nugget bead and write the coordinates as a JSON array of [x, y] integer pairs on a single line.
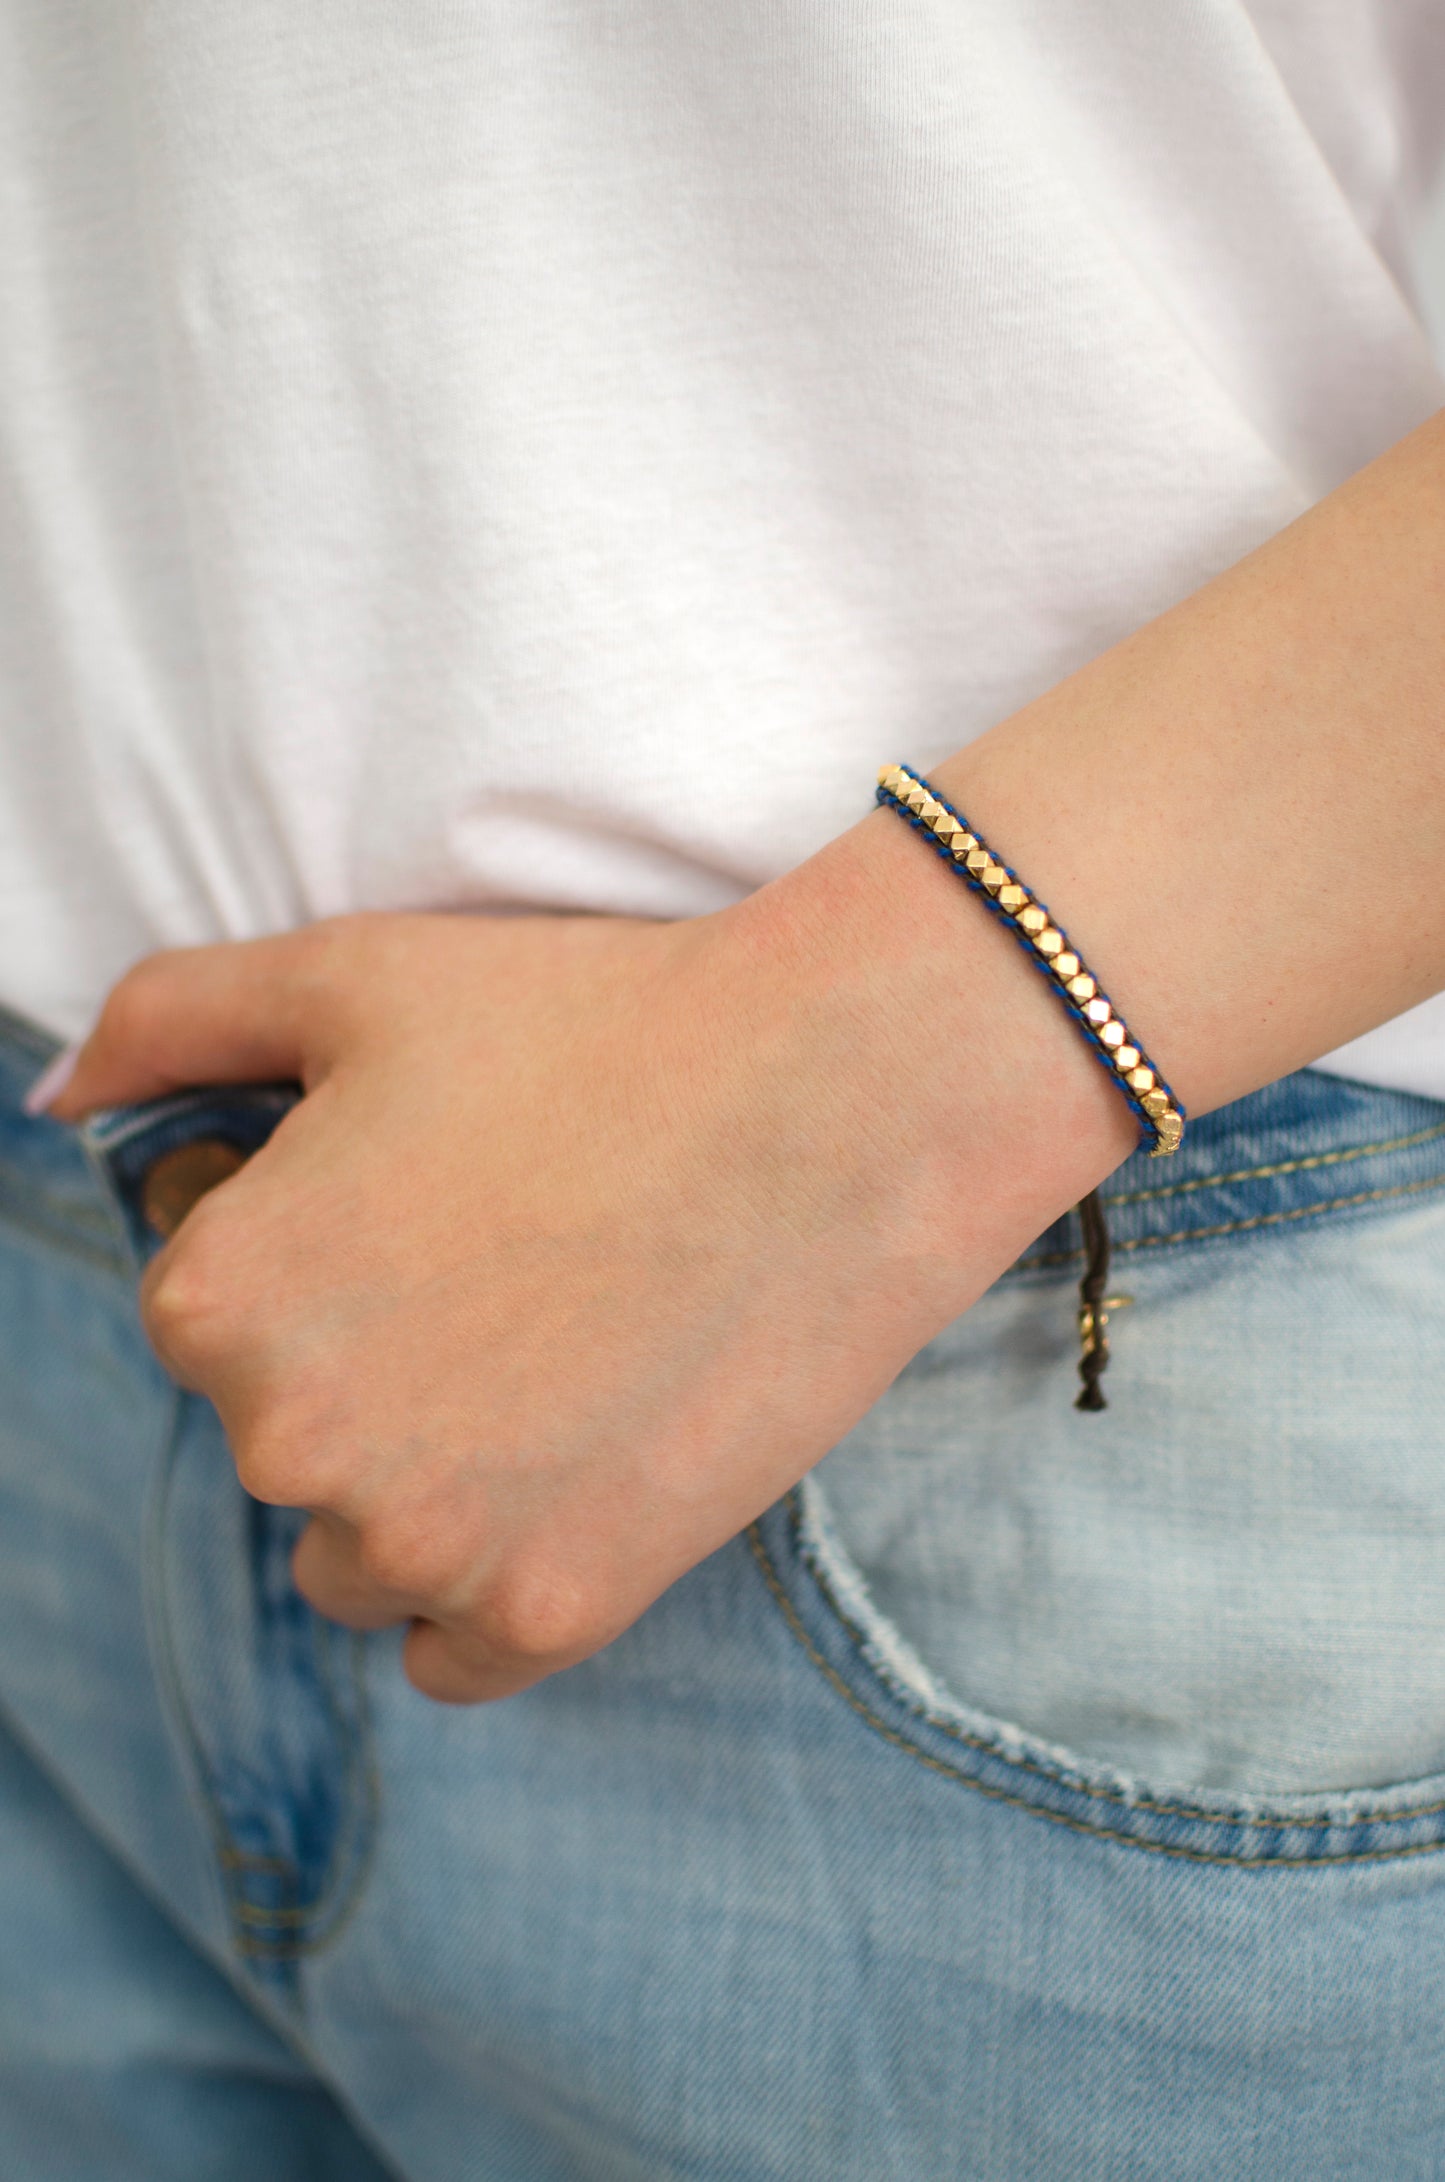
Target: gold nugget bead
[[977, 862]]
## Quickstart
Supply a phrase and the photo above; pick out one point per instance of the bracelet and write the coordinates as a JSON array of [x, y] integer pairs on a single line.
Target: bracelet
[[1160, 1114]]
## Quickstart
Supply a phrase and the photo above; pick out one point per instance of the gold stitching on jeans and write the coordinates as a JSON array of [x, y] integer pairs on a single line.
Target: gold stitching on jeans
[[1175, 1808], [1283, 1166], [350, 1863], [1078, 1825], [1238, 1227]]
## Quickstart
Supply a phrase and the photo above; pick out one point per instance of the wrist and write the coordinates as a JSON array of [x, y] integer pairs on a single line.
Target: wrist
[[961, 1076]]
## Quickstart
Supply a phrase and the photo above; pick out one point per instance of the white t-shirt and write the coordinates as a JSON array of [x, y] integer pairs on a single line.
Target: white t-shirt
[[552, 453]]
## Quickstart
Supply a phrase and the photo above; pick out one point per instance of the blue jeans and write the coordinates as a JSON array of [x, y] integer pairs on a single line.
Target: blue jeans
[[1031, 1794]]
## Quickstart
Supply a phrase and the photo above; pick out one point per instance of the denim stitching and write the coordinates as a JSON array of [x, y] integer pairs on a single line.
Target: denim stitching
[[360, 1789], [1158, 1808], [1238, 1227], [167, 1669], [1283, 1166], [350, 1860], [307, 1944], [231, 1860], [356, 1841], [1183, 1812]]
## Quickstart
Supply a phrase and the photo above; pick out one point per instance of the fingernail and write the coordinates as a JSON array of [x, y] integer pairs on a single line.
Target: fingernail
[[51, 1081]]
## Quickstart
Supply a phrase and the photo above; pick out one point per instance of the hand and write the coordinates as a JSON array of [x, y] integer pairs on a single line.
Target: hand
[[587, 1238]]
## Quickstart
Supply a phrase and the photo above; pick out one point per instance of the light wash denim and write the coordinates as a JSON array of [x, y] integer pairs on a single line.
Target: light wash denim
[[1031, 1794]]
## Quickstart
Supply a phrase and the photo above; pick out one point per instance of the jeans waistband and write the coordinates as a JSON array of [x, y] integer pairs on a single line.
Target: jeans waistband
[[1307, 1147]]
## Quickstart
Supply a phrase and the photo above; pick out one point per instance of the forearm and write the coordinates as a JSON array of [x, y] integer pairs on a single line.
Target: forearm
[[1239, 815]]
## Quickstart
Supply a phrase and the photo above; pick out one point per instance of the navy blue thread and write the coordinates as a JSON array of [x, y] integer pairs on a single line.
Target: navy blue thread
[[1149, 1135]]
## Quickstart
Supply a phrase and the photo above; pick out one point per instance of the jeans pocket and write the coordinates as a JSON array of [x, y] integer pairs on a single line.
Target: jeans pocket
[[1217, 1608]]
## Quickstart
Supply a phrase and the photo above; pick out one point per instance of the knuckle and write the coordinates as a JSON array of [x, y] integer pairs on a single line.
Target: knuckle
[[191, 1287], [266, 1465], [433, 1669], [269, 1465], [282, 1454], [407, 1556], [540, 1611], [180, 1300], [335, 964], [341, 947]]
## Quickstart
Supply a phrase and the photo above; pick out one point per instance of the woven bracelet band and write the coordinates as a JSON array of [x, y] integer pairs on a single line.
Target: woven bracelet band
[[1160, 1115]]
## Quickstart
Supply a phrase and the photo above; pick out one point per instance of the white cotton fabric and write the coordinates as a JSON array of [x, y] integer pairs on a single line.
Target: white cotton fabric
[[552, 453]]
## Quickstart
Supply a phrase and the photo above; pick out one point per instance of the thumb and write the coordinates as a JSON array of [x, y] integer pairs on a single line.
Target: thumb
[[244, 1012]]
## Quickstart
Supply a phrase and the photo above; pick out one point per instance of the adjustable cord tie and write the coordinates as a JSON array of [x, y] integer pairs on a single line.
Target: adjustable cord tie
[[1094, 1304]]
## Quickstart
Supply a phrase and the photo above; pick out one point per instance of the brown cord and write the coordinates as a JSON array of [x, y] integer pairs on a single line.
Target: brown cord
[[1093, 1317]]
